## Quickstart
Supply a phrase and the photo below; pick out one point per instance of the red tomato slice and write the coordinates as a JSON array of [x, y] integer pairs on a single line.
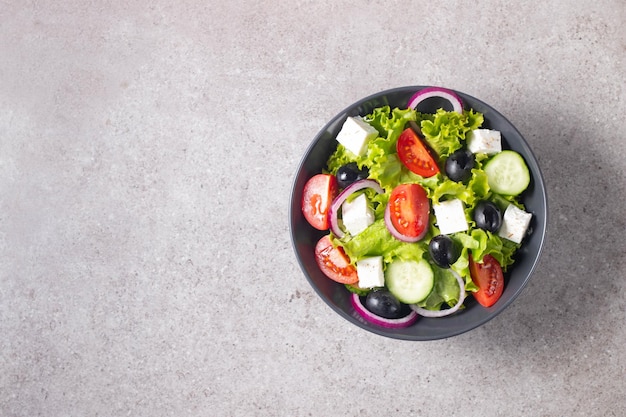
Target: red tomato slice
[[334, 262], [414, 154], [409, 209], [489, 279], [317, 197]]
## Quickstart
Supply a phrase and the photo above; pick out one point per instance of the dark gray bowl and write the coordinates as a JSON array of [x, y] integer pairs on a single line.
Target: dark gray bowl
[[304, 237]]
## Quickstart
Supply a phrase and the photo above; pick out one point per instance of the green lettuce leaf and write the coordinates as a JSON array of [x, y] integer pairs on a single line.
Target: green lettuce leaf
[[377, 241], [480, 243], [339, 158], [390, 123], [445, 131]]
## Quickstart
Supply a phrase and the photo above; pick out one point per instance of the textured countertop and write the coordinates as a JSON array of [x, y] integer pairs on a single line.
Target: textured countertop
[[147, 153]]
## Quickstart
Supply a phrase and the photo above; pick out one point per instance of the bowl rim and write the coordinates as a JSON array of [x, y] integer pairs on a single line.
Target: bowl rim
[[494, 311]]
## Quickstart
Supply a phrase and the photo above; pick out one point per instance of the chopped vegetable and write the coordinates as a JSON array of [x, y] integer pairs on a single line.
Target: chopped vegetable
[[406, 214], [430, 92], [318, 194], [334, 263], [414, 154], [507, 173], [487, 275], [409, 281]]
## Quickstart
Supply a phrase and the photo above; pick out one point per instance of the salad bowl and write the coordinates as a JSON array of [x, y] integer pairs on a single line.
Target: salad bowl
[[338, 298]]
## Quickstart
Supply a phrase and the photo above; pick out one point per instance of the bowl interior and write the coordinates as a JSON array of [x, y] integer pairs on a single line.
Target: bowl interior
[[304, 237]]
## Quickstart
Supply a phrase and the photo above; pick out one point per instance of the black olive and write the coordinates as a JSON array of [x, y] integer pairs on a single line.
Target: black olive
[[459, 165], [443, 250], [384, 304], [350, 173], [487, 216]]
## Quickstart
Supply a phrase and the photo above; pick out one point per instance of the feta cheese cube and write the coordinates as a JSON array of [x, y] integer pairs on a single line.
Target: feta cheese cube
[[357, 215], [355, 135], [450, 216], [484, 141], [515, 222], [370, 272]]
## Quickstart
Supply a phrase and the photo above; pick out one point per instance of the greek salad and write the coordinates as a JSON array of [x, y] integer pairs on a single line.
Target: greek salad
[[422, 210]]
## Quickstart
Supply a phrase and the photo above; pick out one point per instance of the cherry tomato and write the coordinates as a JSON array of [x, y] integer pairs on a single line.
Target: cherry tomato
[[409, 208], [334, 262], [317, 196], [414, 154], [489, 279]]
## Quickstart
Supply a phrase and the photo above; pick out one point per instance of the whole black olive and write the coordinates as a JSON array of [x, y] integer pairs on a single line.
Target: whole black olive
[[487, 216], [384, 304], [349, 174], [459, 165], [443, 250]]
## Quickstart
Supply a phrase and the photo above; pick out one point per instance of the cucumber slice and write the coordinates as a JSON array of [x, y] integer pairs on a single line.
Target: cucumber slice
[[410, 281], [507, 173]]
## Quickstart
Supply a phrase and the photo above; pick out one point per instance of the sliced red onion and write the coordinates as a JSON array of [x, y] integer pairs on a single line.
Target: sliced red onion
[[395, 233], [405, 321], [339, 200], [442, 313], [426, 93]]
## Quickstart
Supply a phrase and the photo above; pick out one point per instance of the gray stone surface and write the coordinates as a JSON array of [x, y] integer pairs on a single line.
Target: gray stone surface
[[147, 152]]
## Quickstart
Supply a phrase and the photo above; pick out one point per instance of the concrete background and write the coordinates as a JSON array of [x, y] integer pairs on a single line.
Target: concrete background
[[147, 150]]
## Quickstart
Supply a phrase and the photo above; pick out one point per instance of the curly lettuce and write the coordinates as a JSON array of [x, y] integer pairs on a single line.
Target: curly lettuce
[[445, 131]]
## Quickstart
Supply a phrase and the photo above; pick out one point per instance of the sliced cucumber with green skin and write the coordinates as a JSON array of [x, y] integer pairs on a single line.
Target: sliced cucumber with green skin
[[507, 173], [410, 281]]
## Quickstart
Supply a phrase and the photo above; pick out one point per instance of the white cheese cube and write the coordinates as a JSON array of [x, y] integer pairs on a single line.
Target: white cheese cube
[[450, 216], [370, 272], [355, 135], [515, 222], [357, 215], [484, 141]]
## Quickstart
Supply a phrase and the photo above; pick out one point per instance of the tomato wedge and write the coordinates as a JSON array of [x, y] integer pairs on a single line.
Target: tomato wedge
[[414, 154], [409, 209], [489, 279], [334, 262], [317, 197]]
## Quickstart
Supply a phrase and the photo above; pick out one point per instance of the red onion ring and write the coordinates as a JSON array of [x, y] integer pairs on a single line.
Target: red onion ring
[[339, 200], [442, 313], [395, 233], [451, 96], [405, 321]]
